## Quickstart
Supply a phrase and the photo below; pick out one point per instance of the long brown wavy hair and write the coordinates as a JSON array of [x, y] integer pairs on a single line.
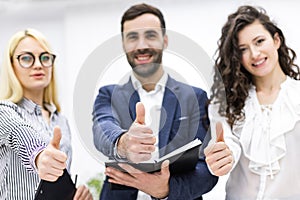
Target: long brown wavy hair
[[231, 81]]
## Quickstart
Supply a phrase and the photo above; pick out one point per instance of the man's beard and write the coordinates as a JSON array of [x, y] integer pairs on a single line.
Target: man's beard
[[147, 69]]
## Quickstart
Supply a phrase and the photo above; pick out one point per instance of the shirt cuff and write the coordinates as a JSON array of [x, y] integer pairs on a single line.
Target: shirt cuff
[[210, 170], [116, 155], [33, 156]]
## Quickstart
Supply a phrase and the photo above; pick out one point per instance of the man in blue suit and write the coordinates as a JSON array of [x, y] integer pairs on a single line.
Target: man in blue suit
[[171, 114]]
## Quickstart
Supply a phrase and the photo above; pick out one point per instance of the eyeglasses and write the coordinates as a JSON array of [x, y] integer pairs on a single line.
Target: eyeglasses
[[26, 60]]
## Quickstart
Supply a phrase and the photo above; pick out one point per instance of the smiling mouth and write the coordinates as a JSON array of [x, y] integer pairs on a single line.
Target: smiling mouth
[[259, 63], [143, 58]]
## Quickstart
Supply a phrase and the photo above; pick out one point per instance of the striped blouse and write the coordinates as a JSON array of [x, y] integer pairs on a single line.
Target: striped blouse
[[24, 133]]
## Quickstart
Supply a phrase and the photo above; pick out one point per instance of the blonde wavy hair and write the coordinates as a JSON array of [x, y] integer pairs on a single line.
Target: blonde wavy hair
[[10, 86]]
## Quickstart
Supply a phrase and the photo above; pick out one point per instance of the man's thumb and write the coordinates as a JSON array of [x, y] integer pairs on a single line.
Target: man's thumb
[[165, 166], [140, 113], [220, 132], [56, 137]]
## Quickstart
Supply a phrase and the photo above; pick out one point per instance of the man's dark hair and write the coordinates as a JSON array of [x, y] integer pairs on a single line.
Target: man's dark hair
[[140, 9]]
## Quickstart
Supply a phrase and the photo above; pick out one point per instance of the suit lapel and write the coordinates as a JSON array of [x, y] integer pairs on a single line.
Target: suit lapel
[[131, 97], [169, 105], [168, 111], [132, 102]]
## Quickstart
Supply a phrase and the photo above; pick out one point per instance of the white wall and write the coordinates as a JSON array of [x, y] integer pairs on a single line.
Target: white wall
[[76, 30]]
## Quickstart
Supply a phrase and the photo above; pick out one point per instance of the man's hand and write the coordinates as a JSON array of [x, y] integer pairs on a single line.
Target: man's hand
[[51, 161], [155, 184], [138, 143], [83, 193], [218, 155]]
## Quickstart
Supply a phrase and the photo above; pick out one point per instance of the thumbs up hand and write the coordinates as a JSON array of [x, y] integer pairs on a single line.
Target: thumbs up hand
[[219, 158], [140, 113], [56, 137], [51, 161], [220, 133], [137, 144]]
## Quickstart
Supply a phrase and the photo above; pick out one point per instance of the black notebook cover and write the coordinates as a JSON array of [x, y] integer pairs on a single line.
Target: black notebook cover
[[62, 189], [181, 160]]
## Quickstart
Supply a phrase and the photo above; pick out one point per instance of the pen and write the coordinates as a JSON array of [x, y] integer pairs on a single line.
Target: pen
[[75, 180]]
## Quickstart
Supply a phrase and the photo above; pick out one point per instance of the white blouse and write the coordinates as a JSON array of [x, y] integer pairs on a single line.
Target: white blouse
[[266, 147]]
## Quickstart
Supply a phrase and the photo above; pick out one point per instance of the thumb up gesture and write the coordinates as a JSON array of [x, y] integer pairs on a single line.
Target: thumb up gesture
[[137, 143], [219, 132], [218, 156], [51, 161], [140, 113]]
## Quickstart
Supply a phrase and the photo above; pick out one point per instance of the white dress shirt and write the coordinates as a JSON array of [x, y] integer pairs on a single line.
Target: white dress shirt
[[152, 101]]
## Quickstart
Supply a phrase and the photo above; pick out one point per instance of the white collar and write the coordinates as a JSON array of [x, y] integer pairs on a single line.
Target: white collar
[[159, 85]]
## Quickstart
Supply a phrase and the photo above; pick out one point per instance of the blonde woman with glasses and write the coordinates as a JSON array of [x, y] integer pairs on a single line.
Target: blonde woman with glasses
[[30, 115]]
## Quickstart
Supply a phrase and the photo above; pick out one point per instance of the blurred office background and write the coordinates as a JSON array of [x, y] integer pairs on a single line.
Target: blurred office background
[[75, 28]]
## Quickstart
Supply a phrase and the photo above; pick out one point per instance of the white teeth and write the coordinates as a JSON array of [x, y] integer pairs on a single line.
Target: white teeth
[[259, 62], [142, 58]]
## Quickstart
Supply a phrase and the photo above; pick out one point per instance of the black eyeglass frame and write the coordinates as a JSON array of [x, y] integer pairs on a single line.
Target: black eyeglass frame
[[52, 56]]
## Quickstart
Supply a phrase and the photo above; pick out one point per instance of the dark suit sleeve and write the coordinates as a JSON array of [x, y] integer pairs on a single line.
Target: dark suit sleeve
[[106, 127], [193, 184]]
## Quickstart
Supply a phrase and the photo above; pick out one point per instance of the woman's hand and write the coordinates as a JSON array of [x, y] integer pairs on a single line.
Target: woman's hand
[[219, 157], [51, 162]]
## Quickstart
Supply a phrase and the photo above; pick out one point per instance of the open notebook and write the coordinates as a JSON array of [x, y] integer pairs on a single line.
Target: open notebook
[[183, 159]]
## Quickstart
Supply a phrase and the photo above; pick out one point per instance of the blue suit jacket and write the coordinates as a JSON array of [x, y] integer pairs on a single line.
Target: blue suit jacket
[[181, 121]]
